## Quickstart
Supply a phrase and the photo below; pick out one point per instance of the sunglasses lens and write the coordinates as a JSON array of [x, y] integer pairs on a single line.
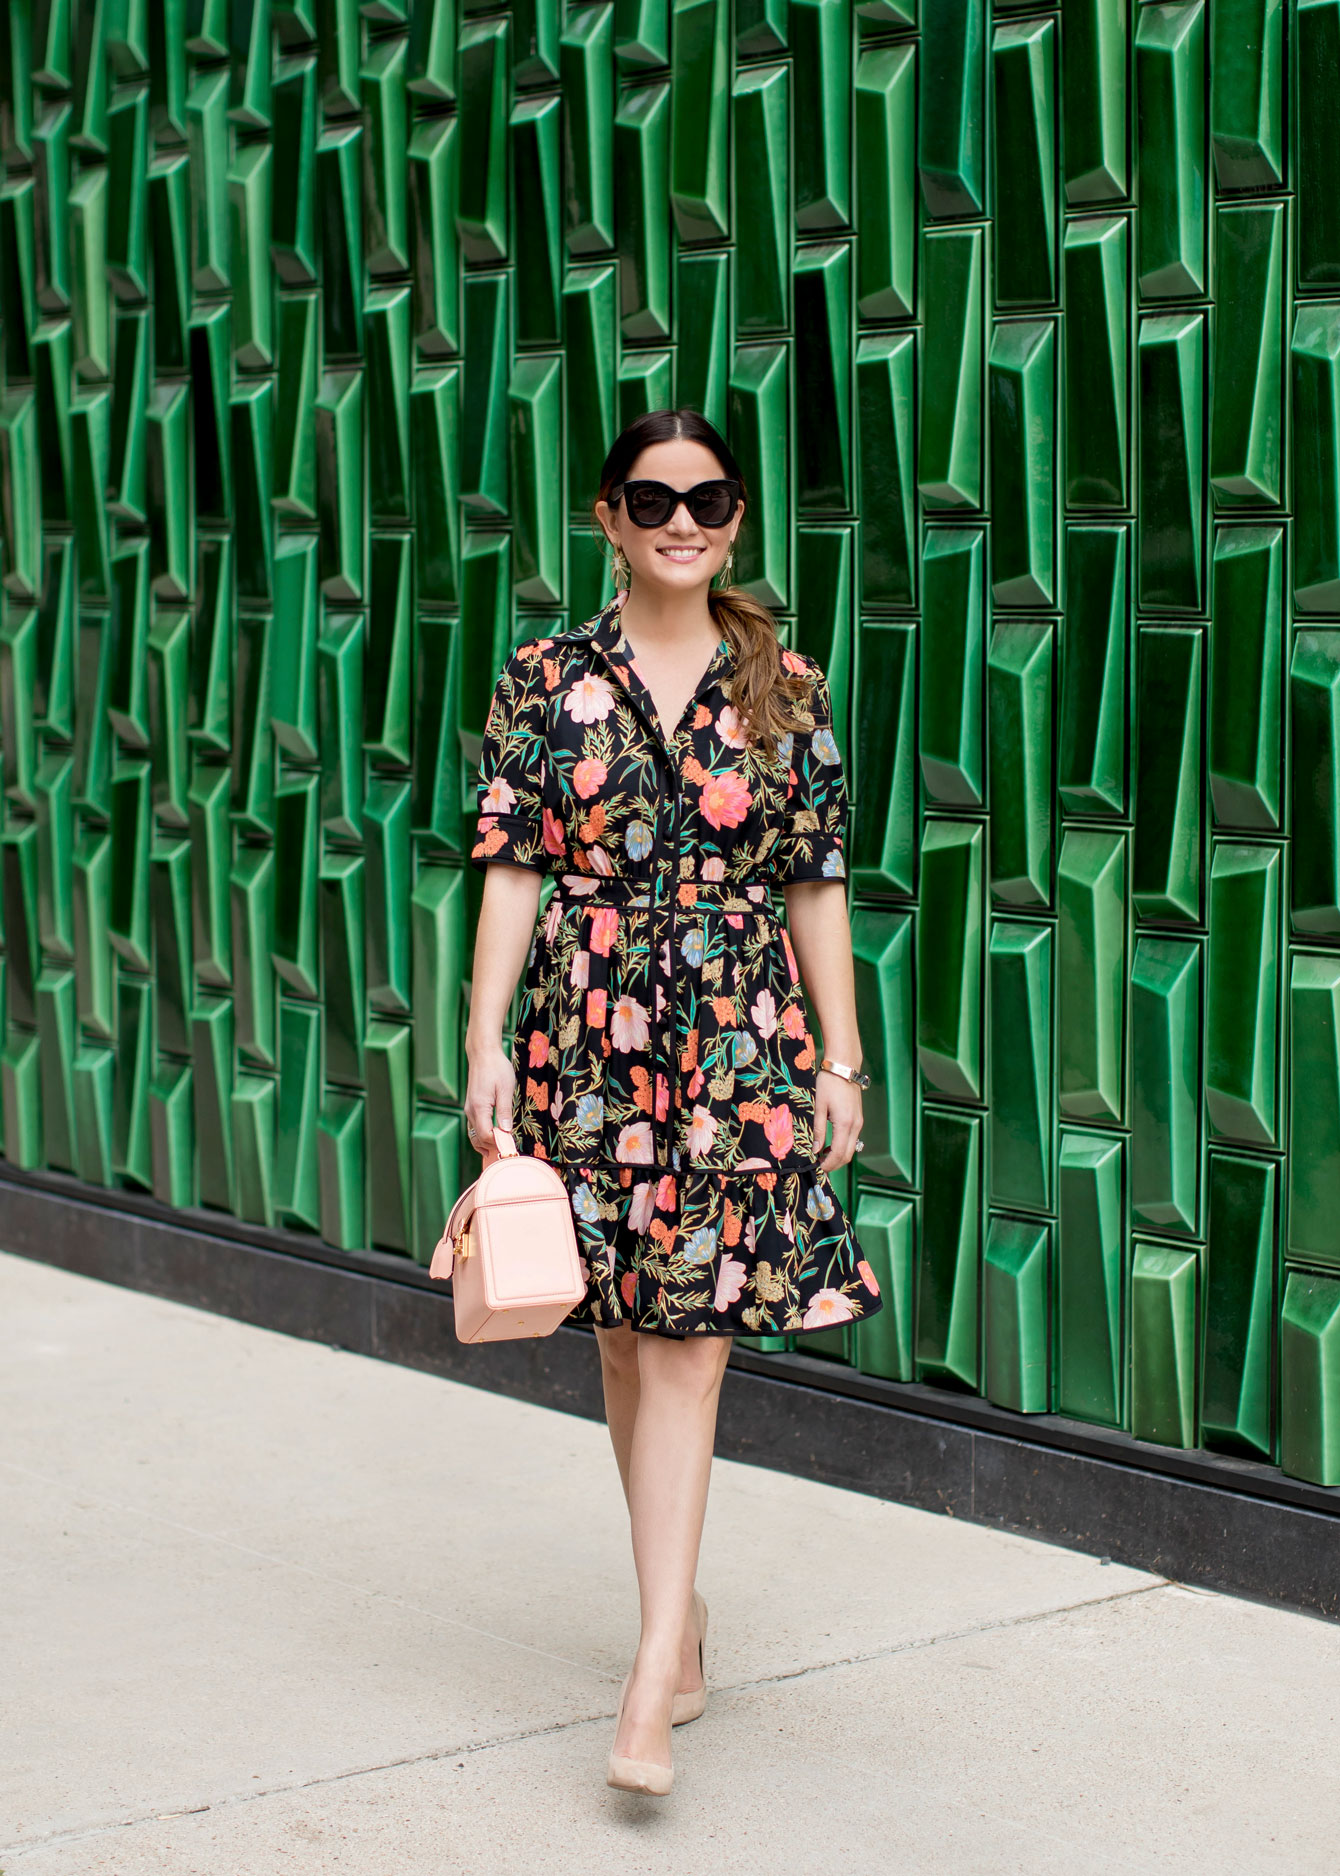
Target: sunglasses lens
[[649, 504], [712, 504]]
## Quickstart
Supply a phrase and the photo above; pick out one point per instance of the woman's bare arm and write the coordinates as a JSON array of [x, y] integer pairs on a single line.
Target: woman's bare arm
[[816, 915], [502, 944]]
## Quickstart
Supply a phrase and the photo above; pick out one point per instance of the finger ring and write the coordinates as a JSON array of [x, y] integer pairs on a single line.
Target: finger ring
[[859, 1145]]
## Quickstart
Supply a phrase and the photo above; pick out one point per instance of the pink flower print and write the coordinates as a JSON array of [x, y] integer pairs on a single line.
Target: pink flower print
[[590, 699], [539, 1048], [736, 919], [629, 1025], [714, 867], [695, 1087], [725, 799], [665, 957], [793, 662], [660, 1001], [579, 971], [793, 1021], [604, 924], [730, 728], [553, 832], [867, 1277], [643, 1202], [764, 1012], [628, 1287], [500, 797], [780, 1129], [662, 1097], [731, 1273], [787, 1224], [551, 918], [702, 1131], [600, 861], [757, 893], [827, 1309], [754, 1165], [633, 1146], [665, 1193], [750, 1235], [792, 971], [587, 776], [595, 1008], [556, 1105], [578, 883]]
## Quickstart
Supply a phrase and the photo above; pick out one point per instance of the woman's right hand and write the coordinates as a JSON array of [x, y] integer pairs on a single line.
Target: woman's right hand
[[489, 1093]]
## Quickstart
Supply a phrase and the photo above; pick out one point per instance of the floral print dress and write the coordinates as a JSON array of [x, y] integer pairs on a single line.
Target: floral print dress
[[663, 1061]]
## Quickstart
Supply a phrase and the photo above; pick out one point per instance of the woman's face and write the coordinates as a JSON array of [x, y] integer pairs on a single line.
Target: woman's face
[[682, 556]]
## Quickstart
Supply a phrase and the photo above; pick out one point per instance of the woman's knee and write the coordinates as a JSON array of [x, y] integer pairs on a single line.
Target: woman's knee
[[693, 1366], [618, 1349]]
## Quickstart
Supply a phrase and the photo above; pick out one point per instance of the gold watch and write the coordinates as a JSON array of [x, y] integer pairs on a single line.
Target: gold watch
[[855, 1075]]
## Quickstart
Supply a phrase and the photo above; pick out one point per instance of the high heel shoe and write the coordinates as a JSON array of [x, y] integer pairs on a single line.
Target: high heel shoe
[[643, 1775], [690, 1706]]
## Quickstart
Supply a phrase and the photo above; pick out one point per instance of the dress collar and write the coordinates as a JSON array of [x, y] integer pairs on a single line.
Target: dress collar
[[608, 634]]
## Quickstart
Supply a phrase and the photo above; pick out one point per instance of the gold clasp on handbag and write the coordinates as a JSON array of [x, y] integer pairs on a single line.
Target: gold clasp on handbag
[[460, 1245]]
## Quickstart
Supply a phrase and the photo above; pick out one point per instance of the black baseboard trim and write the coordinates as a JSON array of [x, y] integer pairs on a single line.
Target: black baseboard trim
[[1216, 1522]]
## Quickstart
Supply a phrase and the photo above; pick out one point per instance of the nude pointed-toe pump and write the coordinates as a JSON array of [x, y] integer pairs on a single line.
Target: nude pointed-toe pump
[[690, 1706], [642, 1775]]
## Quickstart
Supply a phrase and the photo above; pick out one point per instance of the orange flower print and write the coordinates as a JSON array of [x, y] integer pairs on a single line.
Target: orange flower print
[[791, 967], [793, 662], [588, 776], [604, 924], [702, 716], [553, 832], [494, 839], [780, 1129], [594, 824], [694, 771], [730, 1223], [695, 1087], [724, 1010], [539, 1048], [536, 1092], [726, 799], [793, 1021], [595, 1008], [628, 1287], [551, 673], [806, 1057], [665, 1193], [641, 1080], [663, 1097], [867, 1277]]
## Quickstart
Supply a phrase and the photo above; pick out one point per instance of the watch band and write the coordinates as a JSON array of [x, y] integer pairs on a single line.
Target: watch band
[[854, 1075]]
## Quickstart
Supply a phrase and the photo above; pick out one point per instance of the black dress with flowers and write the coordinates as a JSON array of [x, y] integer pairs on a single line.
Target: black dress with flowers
[[663, 1061]]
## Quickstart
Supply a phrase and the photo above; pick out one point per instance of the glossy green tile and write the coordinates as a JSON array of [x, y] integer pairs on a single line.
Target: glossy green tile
[[435, 460], [18, 659], [293, 228], [93, 1069], [590, 344], [1315, 29], [1020, 1066], [1091, 748], [130, 398], [172, 1134], [885, 427], [641, 33], [343, 971], [128, 912], [253, 754], [822, 353], [486, 612], [949, 456], [56, 1043], [21, 1099], [1166, 870], [953, 654], [825, 626], [252, 892], [1246, 407], [18, 858], [20, 499], [762, 178], [758, 401], [341, 1163], [170, 911], [1096, 354], [882, 948], [339, 678], [1165, 1083], [54, 648], [127, 222], [439, 935], [1019, 690], [949, 959], [646, 382], [951, 113], [1090, 1279], [535, 441], [432, 185], [699, 119], [1246, 666], [485, 57], [1239, 1305], [252, 1108], [1015, 1285], [1242, 993], [294, 493], [1171, 473], [293, 648], [1314, 1110], [387, 378], [1091, 973], [1022, 378], [435, 1151], [91, 307], [386, 826], [250, 190], [386, 248], [339, 195], [212, 1085], [90, 888], [1023, 161], [1163, 1344], [209, 696], [296, 859], [949, 1250], [887, 1225], [820, 37], [641, 211], [387, 1120], [437, 780], [211, 860], [297, 1186], [883, 853], [1170, 149], [587, 65], [1315, 375], [886, 182], [1310, 1379], [432, 50], [389, 663], [207, 137], [1314, 712], [341, 489], [55, 844]]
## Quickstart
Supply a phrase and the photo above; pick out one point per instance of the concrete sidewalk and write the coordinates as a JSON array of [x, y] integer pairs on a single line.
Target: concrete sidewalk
[[278, 1610]]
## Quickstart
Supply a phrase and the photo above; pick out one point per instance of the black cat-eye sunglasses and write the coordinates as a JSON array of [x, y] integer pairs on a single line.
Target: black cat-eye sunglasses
[[651, 504]]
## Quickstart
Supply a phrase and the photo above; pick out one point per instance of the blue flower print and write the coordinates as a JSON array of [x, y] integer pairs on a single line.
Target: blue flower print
[[818, 1203], [785, 744], [744, 1048], [701, 1245], [590, 1111], [585, 1203], [833, 866], [691, 948], [637, 840], [824, 746]]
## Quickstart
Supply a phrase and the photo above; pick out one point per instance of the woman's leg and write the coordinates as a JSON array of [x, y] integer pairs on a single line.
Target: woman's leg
[[670, 1466], [620, 1373]]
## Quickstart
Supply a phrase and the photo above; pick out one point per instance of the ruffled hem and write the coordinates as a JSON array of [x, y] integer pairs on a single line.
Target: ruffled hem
[[697, 1251]]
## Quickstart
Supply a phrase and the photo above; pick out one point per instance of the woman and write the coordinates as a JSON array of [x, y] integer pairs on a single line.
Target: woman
[[671, 764]]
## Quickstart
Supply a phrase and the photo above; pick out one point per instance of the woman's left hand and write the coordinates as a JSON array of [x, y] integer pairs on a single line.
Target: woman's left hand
[[839, 1101]]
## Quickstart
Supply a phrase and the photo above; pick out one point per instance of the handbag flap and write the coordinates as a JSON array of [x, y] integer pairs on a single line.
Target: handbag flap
[[524, 1235]]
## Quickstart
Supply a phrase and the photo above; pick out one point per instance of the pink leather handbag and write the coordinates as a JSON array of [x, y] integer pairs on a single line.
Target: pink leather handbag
[[511, 1242]]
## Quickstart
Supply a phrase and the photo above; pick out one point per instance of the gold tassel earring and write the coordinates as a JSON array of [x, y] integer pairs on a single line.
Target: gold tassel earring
[[623, 573], [726, 571]]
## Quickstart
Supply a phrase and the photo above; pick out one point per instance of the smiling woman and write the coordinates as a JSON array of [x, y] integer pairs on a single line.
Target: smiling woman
[[674, 765]]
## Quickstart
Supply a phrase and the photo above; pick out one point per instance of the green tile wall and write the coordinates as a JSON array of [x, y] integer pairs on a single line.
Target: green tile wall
[[1025, 322]]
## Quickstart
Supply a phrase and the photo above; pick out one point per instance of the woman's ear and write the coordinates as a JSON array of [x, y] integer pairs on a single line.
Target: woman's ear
[[604, 515]]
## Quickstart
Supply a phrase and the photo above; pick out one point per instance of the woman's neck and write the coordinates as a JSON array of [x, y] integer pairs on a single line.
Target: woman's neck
[[659, 619]]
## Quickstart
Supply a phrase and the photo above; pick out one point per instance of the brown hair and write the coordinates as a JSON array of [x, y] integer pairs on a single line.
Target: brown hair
[[762, 691]]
